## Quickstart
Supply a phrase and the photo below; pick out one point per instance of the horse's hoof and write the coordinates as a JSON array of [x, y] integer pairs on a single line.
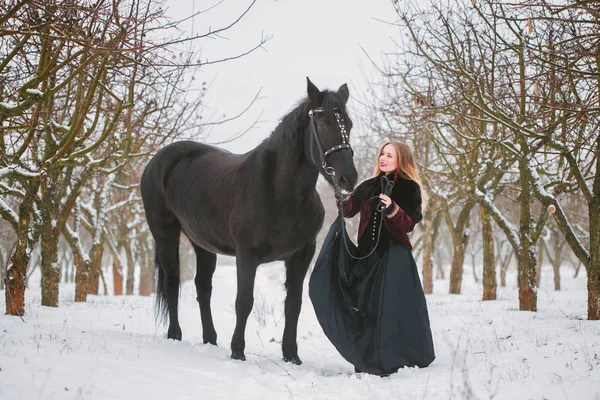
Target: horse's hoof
[[174, 334], [210, 339], [294, 360], [235, 355]]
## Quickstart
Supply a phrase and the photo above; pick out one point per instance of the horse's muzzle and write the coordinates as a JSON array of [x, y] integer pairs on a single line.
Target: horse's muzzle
[[347, 180]]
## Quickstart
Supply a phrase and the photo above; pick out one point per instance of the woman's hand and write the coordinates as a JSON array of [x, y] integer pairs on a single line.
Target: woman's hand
[[385, 199]]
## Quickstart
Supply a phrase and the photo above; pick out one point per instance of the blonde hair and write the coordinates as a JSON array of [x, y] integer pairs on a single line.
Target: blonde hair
[[407, 167]]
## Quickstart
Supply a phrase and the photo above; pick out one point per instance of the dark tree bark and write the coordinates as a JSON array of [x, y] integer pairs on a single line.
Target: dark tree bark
[[489, 259], [527, 253], [428, 254], [460, 240]]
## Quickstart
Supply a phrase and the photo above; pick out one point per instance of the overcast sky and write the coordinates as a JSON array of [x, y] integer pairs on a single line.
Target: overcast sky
[[321, 39]]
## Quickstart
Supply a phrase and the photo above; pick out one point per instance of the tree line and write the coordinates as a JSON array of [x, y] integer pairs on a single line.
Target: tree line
[[88, 91], [501, 102]]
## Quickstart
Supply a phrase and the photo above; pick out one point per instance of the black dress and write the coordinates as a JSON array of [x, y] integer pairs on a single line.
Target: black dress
[[372, 310]]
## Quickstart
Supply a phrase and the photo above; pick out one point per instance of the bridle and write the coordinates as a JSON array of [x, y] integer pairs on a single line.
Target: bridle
[[329, 170], [386, 185]]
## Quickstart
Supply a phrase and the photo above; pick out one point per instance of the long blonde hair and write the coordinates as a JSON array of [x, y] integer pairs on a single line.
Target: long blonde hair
[[407, 167]]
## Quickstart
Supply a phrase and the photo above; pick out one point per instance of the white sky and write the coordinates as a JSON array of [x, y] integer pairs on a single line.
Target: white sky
[[314, 38]]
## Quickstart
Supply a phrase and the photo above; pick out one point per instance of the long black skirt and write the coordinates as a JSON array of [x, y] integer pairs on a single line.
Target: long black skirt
[[372, 310]]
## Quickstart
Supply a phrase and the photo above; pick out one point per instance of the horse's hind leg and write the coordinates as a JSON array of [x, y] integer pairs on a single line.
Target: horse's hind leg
[[205, 268], [296, 267], [167, 257]]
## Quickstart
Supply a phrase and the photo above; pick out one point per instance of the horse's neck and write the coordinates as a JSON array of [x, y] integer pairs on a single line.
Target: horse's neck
[[294, 177]]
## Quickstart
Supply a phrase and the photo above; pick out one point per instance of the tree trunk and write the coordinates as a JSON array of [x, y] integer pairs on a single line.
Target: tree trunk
[[82, 269], [456, 272], [50, 268], [16, 275], [130, 270], [556, 267], [81, 280], [104, 286], [527, 251], [593, 270], [460, 240], [49, 240], [117, 277], [72, 275], [504, 264], [558, 258], [577, 269], [489, 259], [440, 272], [2, 271], [49, 245], [147, 280], [96, 263], [427, 255], [555, 259], [473, 268], [540, 261]]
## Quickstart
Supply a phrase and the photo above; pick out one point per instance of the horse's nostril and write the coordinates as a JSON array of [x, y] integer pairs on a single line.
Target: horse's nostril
[[344, 182]]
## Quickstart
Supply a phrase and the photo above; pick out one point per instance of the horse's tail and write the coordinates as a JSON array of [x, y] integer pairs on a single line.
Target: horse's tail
[[161, 308]]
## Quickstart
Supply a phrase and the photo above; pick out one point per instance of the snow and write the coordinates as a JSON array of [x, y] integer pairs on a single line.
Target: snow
[[35, 92], [9, 211], [19, 171], [110, 348], [58, 126], [10, 105], [537, 181]]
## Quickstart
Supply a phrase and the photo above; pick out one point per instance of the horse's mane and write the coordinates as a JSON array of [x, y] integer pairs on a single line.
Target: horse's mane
[[292, 125]]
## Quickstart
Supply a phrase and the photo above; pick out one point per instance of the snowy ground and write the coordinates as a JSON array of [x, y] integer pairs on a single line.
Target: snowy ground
[[110, 348]]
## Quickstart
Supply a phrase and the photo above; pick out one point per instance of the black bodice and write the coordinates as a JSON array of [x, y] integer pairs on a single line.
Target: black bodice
[[369, 237]]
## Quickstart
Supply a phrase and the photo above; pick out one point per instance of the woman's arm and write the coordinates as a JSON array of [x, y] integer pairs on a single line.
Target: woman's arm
[[362, 193], [350, 207], [398, 220], [404, 220]]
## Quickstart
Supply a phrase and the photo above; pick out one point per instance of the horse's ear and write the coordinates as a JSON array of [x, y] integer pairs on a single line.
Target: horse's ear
[[314, 94], [344, 92]]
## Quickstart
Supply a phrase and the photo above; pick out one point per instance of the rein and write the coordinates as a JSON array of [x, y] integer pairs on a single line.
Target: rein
[[386, 188], [315, 138], [386, 184]]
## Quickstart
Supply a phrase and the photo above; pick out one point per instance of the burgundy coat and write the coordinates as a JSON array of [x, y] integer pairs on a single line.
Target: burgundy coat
[[406, 196]]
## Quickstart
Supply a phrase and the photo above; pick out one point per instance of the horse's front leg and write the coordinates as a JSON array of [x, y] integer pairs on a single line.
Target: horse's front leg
[[296, 267], [246, 274]]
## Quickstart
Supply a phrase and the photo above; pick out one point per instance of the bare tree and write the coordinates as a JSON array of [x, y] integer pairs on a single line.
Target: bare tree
[[501, 86], [85, 87]]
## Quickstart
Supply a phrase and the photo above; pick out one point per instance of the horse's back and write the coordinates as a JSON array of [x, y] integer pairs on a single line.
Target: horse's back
[[186, 185], [165, 161]]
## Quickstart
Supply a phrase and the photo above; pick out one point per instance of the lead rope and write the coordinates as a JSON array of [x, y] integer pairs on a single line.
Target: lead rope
[[386, 188]]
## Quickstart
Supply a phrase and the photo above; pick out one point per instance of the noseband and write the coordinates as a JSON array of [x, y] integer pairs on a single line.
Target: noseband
[[315, 138]]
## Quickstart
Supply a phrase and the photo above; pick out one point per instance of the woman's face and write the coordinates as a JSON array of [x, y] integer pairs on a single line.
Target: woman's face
[[388, 159]]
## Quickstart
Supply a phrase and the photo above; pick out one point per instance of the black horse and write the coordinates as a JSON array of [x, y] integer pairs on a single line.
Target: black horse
[[261, 206]]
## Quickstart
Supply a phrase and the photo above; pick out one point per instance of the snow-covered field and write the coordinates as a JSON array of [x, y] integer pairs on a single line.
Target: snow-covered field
[[111, 348]]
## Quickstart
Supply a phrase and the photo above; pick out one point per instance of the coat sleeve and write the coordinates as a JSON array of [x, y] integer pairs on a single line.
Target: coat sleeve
[[350, 207], [399, 219]]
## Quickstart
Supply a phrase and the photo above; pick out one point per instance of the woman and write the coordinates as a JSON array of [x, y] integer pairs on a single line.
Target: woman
[[369, 300]]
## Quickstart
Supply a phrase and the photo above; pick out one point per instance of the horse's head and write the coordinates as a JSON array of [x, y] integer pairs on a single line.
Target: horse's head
[[327, 142]]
